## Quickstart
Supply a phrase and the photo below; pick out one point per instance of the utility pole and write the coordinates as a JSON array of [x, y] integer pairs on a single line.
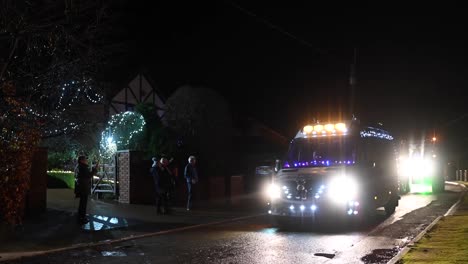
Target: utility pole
[[352, 83]]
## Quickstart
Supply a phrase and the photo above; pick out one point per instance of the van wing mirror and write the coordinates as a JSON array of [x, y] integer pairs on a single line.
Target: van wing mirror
[[277, 165]]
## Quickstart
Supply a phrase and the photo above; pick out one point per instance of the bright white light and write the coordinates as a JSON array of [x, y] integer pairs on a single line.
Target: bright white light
[[291, 207], [313, 207], [273, 192], [109, 140], [302, 207], [343, 189], [417, 167], [269, 211]]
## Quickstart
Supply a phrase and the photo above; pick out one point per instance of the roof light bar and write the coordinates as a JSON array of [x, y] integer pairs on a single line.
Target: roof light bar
[[318, 128], [341, 127], [328, 129], [308, 129]]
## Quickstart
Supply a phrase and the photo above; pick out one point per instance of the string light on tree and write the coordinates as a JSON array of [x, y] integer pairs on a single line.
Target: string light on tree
[[56, 121], [120, 131], [73, 90]]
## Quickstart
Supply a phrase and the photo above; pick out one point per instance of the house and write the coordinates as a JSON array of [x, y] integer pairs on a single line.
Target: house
[[140, 89]]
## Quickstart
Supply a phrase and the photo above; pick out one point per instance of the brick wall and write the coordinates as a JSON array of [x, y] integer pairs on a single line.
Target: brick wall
[[123, 163], [135, 182]]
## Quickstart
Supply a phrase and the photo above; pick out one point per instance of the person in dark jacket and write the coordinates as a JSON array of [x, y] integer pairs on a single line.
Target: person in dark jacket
[[165, 184], [191, 176], [83, 186], [155, 174]]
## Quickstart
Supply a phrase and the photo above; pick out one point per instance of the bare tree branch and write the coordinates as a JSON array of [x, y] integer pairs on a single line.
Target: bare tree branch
[[12, 52]]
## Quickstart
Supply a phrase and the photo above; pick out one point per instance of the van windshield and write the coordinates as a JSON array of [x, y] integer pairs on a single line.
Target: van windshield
[[320, 152]]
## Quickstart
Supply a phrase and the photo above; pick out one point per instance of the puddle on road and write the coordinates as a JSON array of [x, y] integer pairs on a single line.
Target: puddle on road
[[113, 254], [380, 256], [327, 255], [101, 222]]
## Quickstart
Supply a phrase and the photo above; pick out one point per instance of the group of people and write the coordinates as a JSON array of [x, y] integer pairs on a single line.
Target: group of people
[[163, 177], [164, 182]]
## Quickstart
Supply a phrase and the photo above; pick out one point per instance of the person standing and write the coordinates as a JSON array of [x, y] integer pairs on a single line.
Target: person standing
[[155, 174], [166, 185], [83, 185], [191, 177]]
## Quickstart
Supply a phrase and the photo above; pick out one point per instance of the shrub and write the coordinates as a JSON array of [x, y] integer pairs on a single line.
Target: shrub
[[61, 179]]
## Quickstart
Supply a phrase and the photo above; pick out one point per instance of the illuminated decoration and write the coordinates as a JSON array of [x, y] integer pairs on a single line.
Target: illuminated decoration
[[318, 163], [74, 92], [108, 148], [121, 129], [376, 133]]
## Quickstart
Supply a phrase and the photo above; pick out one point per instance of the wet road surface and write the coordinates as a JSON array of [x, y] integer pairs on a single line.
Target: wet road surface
[[259, 240]]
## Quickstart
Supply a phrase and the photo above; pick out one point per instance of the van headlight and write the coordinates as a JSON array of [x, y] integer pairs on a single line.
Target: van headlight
[[273, 191], [343, 189]]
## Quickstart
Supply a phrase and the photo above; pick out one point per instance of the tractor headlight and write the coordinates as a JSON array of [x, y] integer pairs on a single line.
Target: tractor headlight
[[415, 167], [343, 189], [428, 167]]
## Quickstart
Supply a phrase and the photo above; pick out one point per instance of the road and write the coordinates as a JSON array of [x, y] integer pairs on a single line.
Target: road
[[258, 240]]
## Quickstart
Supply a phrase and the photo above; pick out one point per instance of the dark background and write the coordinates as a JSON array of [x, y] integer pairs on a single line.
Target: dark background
[[285, 63]]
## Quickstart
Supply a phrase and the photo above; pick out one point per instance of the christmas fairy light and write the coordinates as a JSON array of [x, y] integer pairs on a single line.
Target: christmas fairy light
[[121, 129]]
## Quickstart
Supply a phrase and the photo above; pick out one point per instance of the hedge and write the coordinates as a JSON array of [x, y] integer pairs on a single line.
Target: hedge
[[61, 179]]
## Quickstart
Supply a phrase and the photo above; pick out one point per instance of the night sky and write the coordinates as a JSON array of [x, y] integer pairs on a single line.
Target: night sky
[[285, 63]]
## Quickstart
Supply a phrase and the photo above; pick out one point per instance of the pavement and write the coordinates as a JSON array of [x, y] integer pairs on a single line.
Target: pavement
[[57, 229]]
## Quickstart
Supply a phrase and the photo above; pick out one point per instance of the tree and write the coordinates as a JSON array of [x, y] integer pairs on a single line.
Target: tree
[[158, 139], [55, 51], [123, 132], [202, 117], [18, 136], [51, 53]]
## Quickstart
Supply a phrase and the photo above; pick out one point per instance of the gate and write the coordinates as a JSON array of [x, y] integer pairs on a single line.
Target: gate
[[106, 180]]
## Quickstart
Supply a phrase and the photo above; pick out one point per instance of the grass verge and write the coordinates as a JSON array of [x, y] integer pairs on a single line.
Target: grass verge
[[446, 242]]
